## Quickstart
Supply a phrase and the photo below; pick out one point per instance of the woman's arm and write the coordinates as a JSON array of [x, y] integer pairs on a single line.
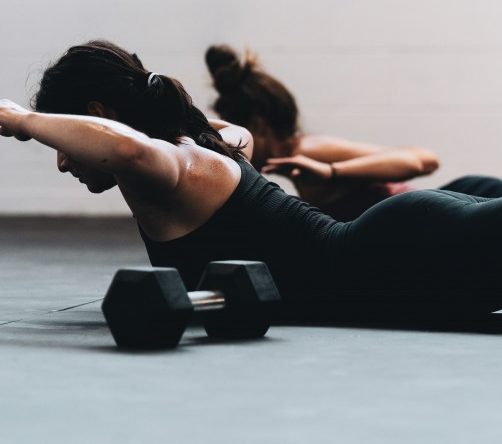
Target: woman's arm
[[100, 143], [234, 135], [94, 141], [387, 165], [333, 149], [404, 162]]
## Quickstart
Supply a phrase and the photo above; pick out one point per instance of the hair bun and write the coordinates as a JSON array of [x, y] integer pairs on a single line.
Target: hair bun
[[225, 68]]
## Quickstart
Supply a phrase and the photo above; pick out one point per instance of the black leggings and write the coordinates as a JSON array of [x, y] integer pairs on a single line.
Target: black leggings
[[427, 251], [482, 186]]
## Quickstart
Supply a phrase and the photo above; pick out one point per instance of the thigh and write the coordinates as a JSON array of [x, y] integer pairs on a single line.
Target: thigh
[[435, 231], [483, 186], [429, 247]]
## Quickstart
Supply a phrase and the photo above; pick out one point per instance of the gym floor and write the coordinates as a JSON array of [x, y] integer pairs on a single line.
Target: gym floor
[[63, 380]]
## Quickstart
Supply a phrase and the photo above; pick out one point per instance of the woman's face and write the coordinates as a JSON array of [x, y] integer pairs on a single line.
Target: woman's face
[[266, 144], [262, 142], [96, 181]]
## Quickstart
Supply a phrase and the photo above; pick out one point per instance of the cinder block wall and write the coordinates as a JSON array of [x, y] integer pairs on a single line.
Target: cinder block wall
[[395, 72]]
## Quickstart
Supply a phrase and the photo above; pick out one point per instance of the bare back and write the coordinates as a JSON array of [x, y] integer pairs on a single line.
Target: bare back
[[206, 182]]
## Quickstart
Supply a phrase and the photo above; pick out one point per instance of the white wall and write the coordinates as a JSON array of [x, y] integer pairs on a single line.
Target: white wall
[[395, 72]]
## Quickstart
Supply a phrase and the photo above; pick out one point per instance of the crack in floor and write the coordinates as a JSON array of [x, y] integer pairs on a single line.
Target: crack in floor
[[3, 323]]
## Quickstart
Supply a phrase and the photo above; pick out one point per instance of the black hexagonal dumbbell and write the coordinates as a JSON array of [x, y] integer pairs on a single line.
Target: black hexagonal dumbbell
[[150, 307]]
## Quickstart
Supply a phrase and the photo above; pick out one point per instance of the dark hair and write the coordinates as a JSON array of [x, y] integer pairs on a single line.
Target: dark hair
[[101, 71], [246, 92]]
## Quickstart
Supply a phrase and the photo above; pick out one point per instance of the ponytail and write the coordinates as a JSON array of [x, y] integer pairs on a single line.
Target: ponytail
[[155, 104]]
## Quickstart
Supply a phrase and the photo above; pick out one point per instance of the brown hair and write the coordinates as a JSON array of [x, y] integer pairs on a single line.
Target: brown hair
[[102, 71], [246, 92]]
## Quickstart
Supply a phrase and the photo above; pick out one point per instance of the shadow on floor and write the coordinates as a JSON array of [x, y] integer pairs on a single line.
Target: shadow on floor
[[94, 336], [459, 322]]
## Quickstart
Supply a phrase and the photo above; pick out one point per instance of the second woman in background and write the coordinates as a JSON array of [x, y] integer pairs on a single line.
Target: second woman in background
[[341, 177]]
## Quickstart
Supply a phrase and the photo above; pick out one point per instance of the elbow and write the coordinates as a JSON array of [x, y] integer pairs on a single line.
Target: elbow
[[430, 162], [431, 165], [426, 161], [247, 137], [246, 142]]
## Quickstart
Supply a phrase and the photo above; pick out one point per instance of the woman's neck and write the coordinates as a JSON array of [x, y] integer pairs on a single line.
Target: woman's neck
[[281, 147]]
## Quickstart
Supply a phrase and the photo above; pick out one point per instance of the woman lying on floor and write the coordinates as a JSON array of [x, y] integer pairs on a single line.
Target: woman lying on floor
[[341, 177], [196, 198]]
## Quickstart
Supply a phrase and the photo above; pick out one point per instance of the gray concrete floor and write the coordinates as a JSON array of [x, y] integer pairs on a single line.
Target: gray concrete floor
[[62, 379]]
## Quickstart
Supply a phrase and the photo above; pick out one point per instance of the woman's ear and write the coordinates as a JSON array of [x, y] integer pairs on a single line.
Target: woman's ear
[[97, 109]]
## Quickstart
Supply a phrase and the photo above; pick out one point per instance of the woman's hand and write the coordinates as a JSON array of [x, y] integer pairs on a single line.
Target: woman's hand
[[298, 165], [11, 117]]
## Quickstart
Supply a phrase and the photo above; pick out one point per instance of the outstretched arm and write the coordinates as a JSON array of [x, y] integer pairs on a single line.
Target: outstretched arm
[[100, 143]]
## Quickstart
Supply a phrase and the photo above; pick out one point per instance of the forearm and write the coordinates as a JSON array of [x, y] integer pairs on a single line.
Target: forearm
[[95, 141], [390, 165]]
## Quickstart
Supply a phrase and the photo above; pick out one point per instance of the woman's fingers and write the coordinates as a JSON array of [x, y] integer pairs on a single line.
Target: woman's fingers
[[22, 137], [293, 161], [282, 162], [296, 166], [7, 133], [268, 168], [4, 132], [277, 164], [10, 117], [279, 160], [288, 172], [279, 171]]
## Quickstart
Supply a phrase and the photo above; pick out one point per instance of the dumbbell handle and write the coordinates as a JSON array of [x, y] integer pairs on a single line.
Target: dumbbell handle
[[207, 300]]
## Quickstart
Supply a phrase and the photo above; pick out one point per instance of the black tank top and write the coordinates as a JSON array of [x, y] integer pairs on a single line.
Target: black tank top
[[301, 246]]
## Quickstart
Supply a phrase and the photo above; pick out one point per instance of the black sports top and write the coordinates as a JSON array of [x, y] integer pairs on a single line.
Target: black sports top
[[260, 222], [409, 253]]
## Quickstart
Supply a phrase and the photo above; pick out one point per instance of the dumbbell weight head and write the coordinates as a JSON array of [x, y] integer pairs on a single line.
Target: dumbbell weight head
[[147, 308], [251, 299]]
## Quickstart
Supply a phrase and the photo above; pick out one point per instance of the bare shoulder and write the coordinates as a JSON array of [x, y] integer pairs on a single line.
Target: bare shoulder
[[166, 171], [209, 178], [205, 164], [206, 181]]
